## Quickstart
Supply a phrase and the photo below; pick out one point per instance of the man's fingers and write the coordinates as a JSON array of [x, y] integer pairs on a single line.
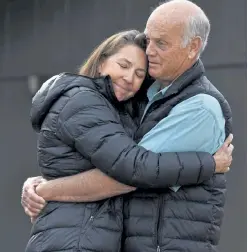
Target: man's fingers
[[32, 219], [29, 213], [32, 199], [227, 169], [26, 202], [228, 140], [35, 212], [230, 149], [31, 206], [32, 196], [31, 202], [37, 199], [32, 182]]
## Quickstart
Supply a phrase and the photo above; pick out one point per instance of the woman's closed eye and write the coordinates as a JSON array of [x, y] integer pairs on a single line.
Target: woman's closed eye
[[123, 65], [140, 75]]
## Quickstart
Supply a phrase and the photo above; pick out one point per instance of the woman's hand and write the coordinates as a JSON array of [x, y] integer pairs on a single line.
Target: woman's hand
[[223, 157], [31, 202]]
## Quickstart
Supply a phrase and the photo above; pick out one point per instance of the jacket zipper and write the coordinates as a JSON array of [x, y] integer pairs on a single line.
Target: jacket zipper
[[148, 106], [148, 109], [157, 228]]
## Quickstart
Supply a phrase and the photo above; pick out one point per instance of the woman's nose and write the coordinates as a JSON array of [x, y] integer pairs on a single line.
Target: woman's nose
[[129, 77]]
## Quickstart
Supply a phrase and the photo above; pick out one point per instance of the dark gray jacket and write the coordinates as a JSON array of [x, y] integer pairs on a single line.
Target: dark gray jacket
[[188, 220], [81, 125]]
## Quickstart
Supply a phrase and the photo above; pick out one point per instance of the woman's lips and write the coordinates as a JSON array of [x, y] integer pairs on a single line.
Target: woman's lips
[[121, 87]]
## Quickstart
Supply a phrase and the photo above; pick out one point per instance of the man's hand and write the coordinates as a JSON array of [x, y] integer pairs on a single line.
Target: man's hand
[[223, 157], [31, 202]]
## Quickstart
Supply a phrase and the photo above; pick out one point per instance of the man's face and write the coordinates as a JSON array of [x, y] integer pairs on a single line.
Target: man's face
[[166, 56]]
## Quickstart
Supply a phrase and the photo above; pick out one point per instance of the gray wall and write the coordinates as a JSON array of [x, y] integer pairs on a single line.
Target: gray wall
[[45, 37]]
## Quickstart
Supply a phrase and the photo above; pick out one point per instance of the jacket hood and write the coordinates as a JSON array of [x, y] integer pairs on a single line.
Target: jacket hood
[[56, 86]]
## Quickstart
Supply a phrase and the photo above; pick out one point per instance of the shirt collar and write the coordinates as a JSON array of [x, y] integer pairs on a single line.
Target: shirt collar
[[155, 91]]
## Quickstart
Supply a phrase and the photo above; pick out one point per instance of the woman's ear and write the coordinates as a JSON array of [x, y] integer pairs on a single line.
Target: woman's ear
[[100, 68]]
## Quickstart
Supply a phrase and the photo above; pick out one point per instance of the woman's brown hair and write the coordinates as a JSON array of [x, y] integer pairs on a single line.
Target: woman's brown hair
[[109, 47]]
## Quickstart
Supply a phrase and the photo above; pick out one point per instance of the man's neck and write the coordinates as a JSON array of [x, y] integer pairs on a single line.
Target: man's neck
[[166, 83]]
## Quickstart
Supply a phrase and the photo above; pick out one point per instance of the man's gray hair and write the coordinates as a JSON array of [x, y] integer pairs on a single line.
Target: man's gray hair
[[197, 25]]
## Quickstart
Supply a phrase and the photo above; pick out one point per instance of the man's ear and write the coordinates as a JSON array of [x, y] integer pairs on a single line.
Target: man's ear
[[195, 47]]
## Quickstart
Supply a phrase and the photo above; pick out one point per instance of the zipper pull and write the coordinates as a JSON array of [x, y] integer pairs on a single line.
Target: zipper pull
[[158, 248]]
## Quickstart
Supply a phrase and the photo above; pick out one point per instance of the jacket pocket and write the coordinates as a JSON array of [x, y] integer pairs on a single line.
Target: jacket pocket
[[108, 213], [94, 213], [104, 227]]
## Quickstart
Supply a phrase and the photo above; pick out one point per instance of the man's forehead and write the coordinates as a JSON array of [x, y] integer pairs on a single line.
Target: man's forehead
[[155, 33], [157, 25], [164, 30]]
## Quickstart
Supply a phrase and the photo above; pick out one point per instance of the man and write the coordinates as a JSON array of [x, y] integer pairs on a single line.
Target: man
[[184, 113]]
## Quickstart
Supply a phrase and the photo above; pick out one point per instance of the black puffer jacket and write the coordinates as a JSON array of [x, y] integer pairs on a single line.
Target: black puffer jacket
[[188, 220], [81, 125]]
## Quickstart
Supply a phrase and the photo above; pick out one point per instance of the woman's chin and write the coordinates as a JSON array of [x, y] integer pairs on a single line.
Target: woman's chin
[[121, 97]]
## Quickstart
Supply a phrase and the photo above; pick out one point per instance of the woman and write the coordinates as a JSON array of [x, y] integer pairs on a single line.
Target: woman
[[85, 122]]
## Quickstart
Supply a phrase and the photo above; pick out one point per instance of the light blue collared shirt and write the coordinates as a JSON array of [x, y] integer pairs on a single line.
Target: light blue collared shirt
[[196, 124]]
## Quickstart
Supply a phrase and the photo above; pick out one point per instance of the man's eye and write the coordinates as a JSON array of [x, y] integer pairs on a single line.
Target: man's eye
[[161, 43]]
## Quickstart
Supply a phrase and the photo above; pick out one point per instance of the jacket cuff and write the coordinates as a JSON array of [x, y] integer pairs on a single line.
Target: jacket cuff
[[208, 167]]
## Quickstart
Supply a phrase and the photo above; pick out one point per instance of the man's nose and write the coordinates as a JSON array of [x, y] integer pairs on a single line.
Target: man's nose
[[150, 51]]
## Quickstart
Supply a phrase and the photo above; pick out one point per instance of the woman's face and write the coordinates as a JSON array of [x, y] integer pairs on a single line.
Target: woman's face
[[127, 69]]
